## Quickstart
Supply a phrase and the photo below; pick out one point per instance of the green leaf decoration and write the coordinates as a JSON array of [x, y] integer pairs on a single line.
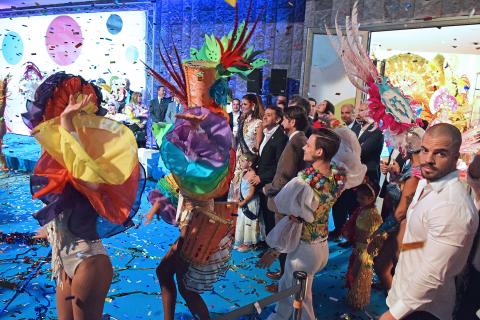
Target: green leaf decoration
[[202, 54], [212, 48], [194, 54], [258, 63], [224, 42], [248, 52]]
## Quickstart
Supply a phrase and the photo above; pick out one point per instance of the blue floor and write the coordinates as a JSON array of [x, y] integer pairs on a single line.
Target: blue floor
[[135, 255]]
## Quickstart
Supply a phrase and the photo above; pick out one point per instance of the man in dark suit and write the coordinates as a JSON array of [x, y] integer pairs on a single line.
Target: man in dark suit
[[157, 112], [158, 106], [271, 148], [234, 116], [290, 163], [371, 142], [348, 117]]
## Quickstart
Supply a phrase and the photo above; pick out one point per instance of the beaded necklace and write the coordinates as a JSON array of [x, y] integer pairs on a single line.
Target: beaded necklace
[[317, 180]]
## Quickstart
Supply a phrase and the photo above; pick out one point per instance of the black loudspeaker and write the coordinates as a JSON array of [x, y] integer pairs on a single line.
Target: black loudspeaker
[[278, 82], [254, 83]]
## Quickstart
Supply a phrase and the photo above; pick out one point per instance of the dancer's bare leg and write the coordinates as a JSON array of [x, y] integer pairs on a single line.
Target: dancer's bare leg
[[173, 264], [165, 274], [90, 286], [63, 297], [384, 262], [194, 300]]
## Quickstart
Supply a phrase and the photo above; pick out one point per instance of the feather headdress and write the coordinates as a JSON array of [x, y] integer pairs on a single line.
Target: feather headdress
[[229, 55], [389, 107]]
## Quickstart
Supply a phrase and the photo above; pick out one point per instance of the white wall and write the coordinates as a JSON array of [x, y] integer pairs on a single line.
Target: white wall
[[102, 55]]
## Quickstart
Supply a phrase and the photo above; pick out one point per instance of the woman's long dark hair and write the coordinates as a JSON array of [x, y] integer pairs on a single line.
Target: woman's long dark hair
[[257, 113], [258, 110], [330, 108]]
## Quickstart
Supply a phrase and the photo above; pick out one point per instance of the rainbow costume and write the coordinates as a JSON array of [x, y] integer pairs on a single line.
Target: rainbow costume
[[90, 179], [197, 150]]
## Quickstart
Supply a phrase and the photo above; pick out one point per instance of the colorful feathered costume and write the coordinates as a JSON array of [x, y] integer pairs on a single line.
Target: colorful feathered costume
[[389, 107], [198, 151]]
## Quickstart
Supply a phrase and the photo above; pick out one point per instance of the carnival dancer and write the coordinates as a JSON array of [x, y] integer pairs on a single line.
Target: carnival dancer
[[198, 152], [89, 193], [307, 200], [385, 242], [361, 225]]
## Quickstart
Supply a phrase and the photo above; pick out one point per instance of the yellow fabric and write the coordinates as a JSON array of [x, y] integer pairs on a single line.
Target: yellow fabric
[[233, 3], [90, 107], [105, 151], [369, 220]]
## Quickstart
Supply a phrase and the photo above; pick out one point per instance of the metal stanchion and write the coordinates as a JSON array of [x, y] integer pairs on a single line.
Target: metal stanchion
[[298, 289], [301, 278]]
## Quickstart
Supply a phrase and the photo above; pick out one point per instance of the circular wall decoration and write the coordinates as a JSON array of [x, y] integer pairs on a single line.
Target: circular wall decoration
[[12, 47], [114, 24], [131, 54], [64, 40]]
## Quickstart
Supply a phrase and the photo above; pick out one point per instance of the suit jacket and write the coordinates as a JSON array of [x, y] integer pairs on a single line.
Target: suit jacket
[[172, 109], [230, 120], [371, 142], [267, 163], [290, 163], [158, 110], [356, 127]]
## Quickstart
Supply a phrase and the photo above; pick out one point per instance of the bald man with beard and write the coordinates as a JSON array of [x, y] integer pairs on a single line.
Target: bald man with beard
[[441, 225]]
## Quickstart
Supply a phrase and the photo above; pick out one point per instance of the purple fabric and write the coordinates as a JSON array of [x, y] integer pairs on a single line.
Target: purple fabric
[[210, 143], [83, 222], [166, 211]]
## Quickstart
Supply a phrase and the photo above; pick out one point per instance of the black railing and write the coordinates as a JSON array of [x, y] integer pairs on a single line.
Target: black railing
[[298, 290]]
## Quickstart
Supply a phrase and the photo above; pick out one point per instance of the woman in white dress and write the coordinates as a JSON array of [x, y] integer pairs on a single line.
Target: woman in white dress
[[250, 135]]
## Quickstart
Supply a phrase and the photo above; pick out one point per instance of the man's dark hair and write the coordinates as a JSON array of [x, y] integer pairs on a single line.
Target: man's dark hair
[[328, 140], [312, 99], [300, 101], [298, 114], [446, 129], [158, 88], [278, 111], [237, 100]]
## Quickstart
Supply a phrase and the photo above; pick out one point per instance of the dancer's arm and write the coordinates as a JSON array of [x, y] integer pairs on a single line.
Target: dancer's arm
[[41, 233], [66, 122], [153, 210], [72, 108], [195, 120]]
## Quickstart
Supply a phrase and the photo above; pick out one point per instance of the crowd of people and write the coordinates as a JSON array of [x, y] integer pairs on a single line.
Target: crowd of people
[[128, 107], [422, 243]]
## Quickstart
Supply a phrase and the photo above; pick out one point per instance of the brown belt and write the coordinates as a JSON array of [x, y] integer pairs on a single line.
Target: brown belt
[[412, 245]]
